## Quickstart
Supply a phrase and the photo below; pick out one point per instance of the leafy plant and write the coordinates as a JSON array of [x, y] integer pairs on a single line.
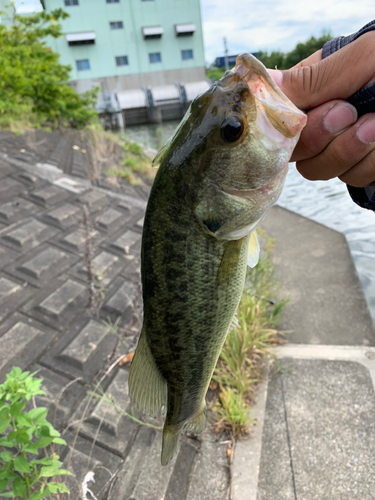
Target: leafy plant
[[26, 434], [34, 85], [239, 367]]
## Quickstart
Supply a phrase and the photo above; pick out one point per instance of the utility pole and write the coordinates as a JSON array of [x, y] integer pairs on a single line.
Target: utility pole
[[226, 54]]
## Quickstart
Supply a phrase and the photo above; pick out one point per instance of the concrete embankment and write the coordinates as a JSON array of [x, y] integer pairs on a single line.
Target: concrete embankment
[[315, 434]]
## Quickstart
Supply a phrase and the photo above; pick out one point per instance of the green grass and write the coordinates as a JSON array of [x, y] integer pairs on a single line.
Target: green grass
[[239, 368]]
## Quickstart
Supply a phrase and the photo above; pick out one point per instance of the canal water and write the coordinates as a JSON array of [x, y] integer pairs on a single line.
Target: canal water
[[326, 202]]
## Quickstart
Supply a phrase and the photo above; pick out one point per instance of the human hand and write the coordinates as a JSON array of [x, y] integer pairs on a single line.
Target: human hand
[[334, 143]]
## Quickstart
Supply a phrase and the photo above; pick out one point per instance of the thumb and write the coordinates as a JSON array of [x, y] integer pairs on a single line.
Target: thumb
[[336, 77]]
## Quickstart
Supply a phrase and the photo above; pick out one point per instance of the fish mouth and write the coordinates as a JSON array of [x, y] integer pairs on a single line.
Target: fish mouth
[[281, 113]]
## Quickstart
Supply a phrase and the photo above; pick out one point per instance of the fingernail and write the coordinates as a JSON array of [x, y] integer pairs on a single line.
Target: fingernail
[[277, 76], [366, 131], [341, 116]]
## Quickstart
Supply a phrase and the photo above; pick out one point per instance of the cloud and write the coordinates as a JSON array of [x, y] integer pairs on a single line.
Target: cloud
[[252, 25]]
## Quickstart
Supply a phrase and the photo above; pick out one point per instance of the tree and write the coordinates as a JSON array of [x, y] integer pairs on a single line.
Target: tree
[[281, 60], [33, 84]]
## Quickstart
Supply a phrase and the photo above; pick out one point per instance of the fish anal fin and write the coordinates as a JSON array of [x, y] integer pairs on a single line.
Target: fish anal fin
[[147, 387], [253, 250]]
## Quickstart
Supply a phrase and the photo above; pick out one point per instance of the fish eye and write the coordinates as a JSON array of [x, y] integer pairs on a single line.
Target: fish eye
[[231, 129]]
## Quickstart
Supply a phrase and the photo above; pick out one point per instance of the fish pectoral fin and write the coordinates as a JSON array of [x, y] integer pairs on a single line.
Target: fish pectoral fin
[[147, 387], [253, 251], [229, 260], [234, 323]]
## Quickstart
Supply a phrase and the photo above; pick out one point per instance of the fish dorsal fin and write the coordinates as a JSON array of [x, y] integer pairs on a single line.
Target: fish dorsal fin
[[253, 251], [162, 154], [147, 387]]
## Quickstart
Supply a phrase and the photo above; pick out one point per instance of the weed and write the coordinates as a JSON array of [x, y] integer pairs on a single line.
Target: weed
[[239, 368], [121, 174], [135, 148], [20, 476], [129, 162]]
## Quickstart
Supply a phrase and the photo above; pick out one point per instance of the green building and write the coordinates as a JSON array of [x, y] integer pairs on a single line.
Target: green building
[[121, 45]]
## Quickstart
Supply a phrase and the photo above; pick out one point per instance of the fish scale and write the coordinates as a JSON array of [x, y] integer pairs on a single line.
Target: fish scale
[[219, 176]]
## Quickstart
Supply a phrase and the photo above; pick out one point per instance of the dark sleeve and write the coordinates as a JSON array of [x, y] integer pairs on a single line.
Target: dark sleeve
[[364, 102]]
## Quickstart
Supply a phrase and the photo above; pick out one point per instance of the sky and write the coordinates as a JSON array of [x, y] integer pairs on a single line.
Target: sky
[[253, 25]]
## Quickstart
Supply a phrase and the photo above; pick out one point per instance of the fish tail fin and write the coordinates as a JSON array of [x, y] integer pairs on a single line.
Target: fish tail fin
[[171, 436], [147, 387]]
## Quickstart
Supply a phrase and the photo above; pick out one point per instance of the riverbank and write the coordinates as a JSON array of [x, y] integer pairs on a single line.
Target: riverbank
[[45, 324]]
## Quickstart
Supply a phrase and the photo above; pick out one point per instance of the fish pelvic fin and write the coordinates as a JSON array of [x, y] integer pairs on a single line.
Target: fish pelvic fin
[[254, 250], [197, 424], [171, 435], [147, 387]]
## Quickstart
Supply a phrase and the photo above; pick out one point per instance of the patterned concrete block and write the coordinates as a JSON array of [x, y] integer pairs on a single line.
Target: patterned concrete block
[[64, 216], [144, 478], [95, 200], [62, 395], [10, 189], [27, 235], [28, 178], [82, 350], [112, 430], [128, 242], [13, 293], [6, 256], [133, 270], [105, 267], [111, 219], [49, 195], [121, 300], [74, 239], [82, 457], [17, 209], [59, 303], [42, 264], [22, 340]]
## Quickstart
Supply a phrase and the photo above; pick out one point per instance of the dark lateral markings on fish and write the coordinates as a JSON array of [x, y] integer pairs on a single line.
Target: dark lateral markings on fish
[[219, 175]]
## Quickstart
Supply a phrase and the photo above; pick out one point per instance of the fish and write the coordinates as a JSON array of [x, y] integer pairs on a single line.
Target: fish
[[218, 177]]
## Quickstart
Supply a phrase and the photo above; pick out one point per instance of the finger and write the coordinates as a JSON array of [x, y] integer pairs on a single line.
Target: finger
[[343, 152], [336, 77], [324, 123], [362, 174], [314, 58]]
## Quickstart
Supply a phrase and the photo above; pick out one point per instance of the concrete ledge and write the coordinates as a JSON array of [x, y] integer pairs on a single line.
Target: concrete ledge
[[247, 464]]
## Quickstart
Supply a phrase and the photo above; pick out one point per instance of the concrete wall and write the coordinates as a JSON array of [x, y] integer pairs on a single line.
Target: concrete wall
[[126, 82]]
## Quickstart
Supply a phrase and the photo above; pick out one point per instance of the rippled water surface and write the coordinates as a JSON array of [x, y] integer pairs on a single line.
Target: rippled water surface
[[329, 203], [326, 202]]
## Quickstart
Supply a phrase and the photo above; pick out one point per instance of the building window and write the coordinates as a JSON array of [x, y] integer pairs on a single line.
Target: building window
[[186, 54], [122, 61], [113, 1], [70, 3], [83, 64], [155, 57], [116, 25]]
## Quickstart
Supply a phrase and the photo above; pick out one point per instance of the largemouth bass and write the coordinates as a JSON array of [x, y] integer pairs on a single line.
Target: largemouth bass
[[219, 176]]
